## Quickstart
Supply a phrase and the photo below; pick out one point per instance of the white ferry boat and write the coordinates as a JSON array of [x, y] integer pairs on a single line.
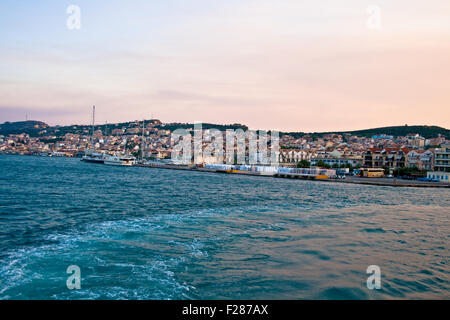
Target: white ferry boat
[[93, 157], [122, 160]]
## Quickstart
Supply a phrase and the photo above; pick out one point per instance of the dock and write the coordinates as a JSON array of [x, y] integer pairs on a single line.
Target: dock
[[303, 174]]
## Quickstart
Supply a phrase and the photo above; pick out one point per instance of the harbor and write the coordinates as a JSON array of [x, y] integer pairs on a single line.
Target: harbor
[[403, 161], [316, 174]]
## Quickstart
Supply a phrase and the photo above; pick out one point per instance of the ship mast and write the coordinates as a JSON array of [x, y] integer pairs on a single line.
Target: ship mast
[[143, 137], [93, 127]]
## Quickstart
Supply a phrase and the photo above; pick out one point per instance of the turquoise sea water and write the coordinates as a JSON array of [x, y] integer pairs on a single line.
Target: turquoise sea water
[[140, 233]]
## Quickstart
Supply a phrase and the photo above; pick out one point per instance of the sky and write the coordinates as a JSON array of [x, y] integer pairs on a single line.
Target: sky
[[290, 65]]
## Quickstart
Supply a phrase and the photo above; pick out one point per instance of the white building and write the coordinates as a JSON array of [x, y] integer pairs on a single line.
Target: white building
[[336, 158], [420, 159], [295, 155], [442, 159], [439, 176]]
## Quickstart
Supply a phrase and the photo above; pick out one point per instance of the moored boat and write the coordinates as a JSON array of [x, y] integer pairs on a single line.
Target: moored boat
[[122, 160], [94, 157]]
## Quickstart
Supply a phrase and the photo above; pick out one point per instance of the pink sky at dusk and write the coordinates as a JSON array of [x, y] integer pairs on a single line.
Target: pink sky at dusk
[[286, 65]]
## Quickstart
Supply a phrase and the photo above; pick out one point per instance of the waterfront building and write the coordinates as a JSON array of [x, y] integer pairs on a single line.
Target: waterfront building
[[338, 159], [294, 156], [439, 176], [385, 157], [333, 162], [442, 159], [420, 159]]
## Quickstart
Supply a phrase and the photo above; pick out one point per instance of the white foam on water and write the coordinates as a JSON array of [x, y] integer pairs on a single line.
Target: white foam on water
[[21, 268]]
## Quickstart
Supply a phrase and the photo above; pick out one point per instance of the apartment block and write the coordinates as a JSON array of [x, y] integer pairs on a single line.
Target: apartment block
[[385, 157], [442, 159]]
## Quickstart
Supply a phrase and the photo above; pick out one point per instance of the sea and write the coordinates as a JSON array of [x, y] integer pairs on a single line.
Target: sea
[[145, 233]]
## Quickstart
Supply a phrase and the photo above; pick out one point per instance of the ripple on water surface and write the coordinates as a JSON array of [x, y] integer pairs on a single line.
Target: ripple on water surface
[[140, 233]]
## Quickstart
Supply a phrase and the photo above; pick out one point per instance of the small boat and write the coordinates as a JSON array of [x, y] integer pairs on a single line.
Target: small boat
[[123, 160], [57, 154], [94, 158]]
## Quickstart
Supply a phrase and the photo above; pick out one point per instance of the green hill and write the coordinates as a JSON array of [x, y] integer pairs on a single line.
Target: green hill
[[424, 131], [31, 127], [221, 127], [34, 127]]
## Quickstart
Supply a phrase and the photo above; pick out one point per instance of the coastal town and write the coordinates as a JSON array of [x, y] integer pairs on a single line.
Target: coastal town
[[409, 156]]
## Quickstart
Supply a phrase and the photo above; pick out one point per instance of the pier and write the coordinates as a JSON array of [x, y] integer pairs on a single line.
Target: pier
[[317, 174]]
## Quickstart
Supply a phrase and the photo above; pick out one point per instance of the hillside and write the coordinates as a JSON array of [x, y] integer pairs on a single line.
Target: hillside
[[221, 127], [33, 128], [424, 131]]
